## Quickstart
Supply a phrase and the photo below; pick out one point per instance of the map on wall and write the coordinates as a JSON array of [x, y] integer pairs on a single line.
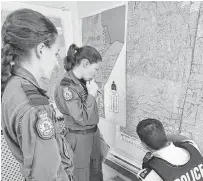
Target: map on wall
[[164, 69], [105, 32], [49, 85]]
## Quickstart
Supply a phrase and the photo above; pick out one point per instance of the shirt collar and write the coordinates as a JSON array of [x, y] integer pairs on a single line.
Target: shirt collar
[[72, 76], [162, 152]]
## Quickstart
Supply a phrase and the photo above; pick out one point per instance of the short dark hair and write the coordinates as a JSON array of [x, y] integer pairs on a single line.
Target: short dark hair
[[152, 133]]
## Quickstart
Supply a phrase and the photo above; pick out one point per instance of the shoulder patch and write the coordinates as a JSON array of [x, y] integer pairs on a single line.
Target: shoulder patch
[[67, 94], [44, 125], [143, 173]]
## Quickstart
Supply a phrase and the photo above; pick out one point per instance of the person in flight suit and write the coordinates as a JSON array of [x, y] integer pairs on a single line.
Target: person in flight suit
[[30, 50], [75, 99], [179, 160]]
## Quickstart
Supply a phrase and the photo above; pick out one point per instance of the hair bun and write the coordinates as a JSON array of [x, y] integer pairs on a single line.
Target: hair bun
[[71, 50]]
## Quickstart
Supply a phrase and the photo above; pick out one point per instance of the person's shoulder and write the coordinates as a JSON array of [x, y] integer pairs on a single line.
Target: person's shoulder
[[15, 102], [66, 81], [14, 85], [66, 89], [14, 95], [175, 138], [148, 175], [63, 83], [190, 141]]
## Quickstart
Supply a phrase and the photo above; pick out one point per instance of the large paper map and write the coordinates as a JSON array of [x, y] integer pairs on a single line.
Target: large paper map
[[165, 68], [105, 32]]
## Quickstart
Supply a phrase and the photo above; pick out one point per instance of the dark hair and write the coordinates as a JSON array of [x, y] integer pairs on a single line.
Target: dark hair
[[23, 30], [75, 55], [152, 133]]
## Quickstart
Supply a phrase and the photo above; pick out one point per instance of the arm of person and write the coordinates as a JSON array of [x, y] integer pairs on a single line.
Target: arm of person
[[148, 175], [59, 115], [181, 138], [82, 112], [41, 155], [177, 138]]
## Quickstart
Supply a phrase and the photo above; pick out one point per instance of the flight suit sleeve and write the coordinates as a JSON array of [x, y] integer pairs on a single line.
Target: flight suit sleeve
[[69, 102], [41, 153], [148, 175]]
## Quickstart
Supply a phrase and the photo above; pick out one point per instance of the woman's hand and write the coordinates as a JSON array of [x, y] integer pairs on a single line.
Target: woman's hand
[[92, 87]]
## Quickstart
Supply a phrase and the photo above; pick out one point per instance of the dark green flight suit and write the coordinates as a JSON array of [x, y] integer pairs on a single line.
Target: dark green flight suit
[[81, 118], [31, 131]]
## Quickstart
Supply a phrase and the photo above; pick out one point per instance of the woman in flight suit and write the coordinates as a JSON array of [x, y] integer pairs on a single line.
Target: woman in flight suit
[[29, 53], [75, 99]]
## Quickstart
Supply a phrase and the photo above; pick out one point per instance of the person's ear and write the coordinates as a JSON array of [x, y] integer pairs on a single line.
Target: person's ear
[[85, 63], [40, 49]]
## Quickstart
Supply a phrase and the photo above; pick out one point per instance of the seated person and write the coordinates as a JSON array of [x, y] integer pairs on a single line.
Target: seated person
[[172, 158]]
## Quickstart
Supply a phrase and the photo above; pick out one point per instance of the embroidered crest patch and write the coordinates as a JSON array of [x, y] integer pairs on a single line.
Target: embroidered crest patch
[[45, 127], [66, 150], [67, 94]]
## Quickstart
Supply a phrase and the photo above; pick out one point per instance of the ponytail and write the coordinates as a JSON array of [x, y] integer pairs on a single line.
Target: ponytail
[[6, 59], [70, 59], [75, 55]]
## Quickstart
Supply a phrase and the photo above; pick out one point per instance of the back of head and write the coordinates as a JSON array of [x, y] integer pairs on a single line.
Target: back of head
[[22, 31], [75, 55], [152, 133]]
